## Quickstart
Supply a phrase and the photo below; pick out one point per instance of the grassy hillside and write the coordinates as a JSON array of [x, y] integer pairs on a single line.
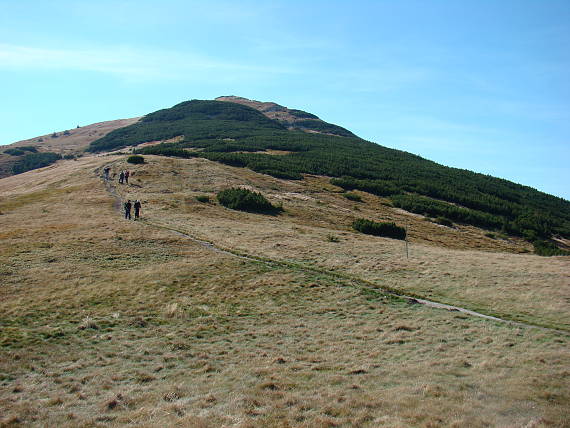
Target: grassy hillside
[[68, 143], [237, 135], [106, 322]]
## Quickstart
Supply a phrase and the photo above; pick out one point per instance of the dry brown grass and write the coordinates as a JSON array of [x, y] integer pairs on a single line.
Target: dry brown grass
[[77, 139], [459, 266], [106, 322], [74, 143]]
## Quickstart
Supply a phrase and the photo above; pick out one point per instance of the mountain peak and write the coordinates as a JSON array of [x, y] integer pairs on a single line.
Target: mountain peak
[[293, 119]]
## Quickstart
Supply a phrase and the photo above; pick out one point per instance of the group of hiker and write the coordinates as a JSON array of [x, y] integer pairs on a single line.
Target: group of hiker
[[129, 205], [123, 175]]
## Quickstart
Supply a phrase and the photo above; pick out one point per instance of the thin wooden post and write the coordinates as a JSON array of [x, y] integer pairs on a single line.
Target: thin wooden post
[[407, 253]]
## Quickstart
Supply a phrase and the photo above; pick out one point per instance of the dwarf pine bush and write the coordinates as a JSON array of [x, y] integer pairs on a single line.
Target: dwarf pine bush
[[246, 200], [547, 248], [135, 159], [19, 151], [34, 161], [355, 197], [389, 230], [14, 152], [203, 198]]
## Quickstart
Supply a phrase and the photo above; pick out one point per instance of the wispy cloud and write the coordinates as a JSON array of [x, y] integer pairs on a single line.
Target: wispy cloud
[[126, 62]]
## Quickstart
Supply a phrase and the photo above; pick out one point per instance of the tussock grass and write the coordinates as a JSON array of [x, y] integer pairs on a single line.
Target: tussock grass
[[488, 275], [192, 337]]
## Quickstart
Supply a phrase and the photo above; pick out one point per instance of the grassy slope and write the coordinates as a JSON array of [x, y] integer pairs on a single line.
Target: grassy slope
[[509, 285], [106, 322], [74, 143]]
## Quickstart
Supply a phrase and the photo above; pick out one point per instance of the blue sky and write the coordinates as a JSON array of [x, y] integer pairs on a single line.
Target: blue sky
[[482, 85]]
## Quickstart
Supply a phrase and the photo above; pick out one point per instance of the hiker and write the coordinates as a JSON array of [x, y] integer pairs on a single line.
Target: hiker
[[121, 177], [137, 207], [106, 171], [127, 173], [128, 206]]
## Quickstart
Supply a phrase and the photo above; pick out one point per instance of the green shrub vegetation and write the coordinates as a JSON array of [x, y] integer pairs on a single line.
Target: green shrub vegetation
[[389, 230], [351, 196], [246, 200], [34, 161], [135, 159], [193, 119], [324, 127], [203, 198], [166, 149], [14, 152], [302, 114], [237, 135], [444, 221], [434, 208], [376, 187], [20, 151], [546, 248]]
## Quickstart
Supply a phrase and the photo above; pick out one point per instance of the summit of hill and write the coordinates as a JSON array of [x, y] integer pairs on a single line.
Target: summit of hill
[[292, 119]]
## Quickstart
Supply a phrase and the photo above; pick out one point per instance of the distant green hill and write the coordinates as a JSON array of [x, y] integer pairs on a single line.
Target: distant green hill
[[193, 119], [229, 133]]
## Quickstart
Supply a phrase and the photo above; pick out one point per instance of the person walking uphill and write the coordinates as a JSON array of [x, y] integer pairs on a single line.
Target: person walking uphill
[[128, 206], [127, 174], [137, 207], [121, 177]]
